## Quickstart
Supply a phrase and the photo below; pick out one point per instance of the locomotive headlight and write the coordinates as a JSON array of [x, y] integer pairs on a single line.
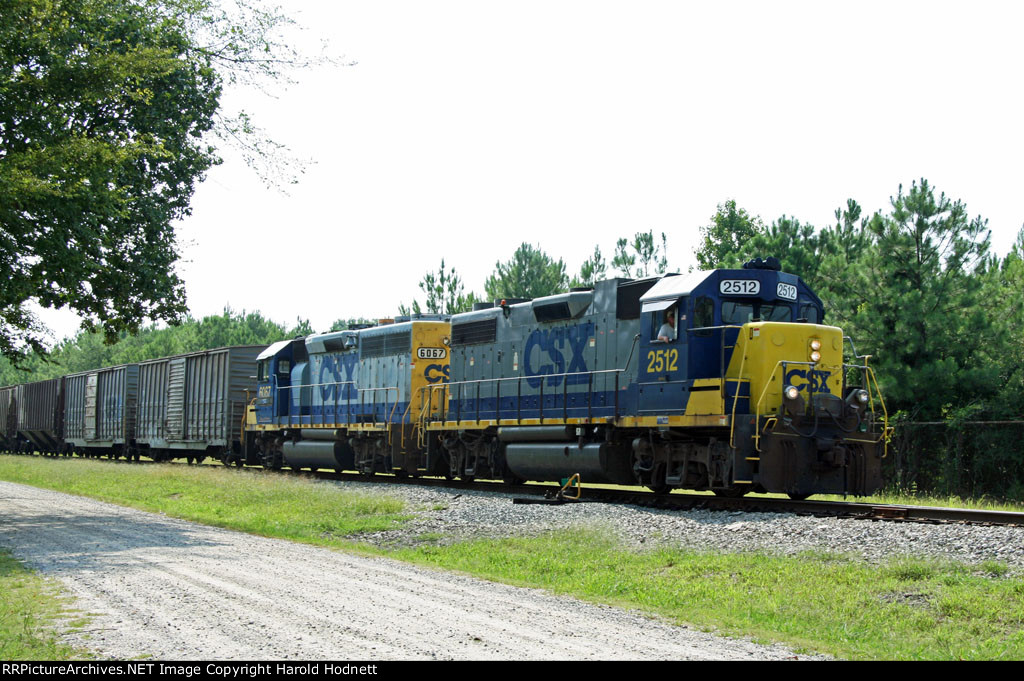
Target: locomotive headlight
[[858, 399], [815, 356], [792, 401], [815, 344]]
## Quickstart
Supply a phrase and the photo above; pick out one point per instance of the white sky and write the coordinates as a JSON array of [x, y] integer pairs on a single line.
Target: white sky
[[467, 128]]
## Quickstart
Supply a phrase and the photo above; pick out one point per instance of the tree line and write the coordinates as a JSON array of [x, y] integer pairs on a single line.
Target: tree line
[[915, 286]]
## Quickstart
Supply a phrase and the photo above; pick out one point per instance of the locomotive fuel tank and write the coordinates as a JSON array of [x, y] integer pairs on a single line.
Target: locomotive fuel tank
[[596, 462]]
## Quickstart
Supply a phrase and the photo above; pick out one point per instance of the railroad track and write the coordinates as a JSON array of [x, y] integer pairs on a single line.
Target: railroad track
[[545, 493], [538, 493]]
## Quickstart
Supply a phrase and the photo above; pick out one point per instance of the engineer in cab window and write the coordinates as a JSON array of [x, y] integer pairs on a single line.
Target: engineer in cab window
[[667, 332]]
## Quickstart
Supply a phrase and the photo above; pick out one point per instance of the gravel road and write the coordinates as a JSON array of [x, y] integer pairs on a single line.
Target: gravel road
[[167, 589]]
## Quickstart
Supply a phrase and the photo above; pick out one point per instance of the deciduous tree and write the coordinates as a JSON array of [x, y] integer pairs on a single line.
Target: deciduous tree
[[106, 112]]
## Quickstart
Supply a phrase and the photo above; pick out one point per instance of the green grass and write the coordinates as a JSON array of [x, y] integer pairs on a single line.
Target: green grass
[[910, 499], [252, 501], [29, 608], [906, 609]]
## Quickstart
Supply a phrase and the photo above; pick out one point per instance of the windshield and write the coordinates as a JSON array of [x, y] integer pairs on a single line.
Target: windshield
[[739, 313]]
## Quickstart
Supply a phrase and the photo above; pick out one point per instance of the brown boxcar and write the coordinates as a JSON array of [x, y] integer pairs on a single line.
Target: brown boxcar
[[40, 416], [191, 406]]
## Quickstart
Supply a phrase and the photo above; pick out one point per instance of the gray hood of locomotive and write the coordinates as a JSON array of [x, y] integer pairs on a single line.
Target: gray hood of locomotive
[[609, 314]]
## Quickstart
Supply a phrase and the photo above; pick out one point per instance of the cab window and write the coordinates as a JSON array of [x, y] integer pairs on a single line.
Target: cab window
[[809, 311], [704, 313], [781, 312], [283, 366], [703, 316], [737, 313], [261, 371], [665, 325]]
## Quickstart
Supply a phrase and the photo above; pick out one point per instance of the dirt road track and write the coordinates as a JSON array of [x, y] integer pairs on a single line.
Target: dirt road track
[[170, 589]]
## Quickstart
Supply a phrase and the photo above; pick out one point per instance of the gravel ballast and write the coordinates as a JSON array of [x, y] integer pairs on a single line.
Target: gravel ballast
[[170, 589], [468, 514]]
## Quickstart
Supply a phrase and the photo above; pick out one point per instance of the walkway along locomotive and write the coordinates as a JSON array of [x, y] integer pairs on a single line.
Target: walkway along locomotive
[[724, 380]]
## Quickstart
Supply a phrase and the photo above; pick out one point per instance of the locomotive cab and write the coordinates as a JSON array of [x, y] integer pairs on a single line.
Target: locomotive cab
[[274, 368], [690, 326]]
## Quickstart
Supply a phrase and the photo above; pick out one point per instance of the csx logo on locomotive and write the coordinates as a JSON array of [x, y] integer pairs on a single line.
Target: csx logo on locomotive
[[335, 370], [436, 373], [815, 380], [551, 342]]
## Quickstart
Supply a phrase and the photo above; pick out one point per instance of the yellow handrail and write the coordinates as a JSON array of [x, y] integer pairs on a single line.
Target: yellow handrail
[[735, 398], [870, 380], [757, 410]]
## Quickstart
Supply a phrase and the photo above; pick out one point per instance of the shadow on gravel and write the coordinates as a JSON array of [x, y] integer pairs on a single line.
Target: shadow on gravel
[[94, 541]]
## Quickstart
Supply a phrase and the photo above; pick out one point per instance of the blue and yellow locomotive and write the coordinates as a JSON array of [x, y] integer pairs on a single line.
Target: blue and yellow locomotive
[[725, 380], [345, 400]]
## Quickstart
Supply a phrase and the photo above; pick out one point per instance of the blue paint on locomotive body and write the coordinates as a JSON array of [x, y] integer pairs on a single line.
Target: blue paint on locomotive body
[[597, 353], [351, 377]]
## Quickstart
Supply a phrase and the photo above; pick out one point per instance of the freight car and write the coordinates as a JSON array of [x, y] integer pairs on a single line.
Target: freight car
[[8, 418], [39, 416], [188, 406], [99, 411], [192, 406]]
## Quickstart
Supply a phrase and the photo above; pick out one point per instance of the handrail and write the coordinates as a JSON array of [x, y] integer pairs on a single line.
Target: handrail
[[445, 408], [735, 400], [360, 391], [886, 430]]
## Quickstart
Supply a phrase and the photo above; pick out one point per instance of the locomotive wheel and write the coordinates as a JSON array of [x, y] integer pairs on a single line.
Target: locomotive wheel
[[661, 489], [798, 497]]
